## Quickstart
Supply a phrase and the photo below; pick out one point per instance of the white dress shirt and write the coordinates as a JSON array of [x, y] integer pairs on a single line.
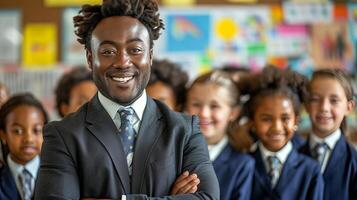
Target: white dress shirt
[[112, 109], [16, 169], [216, 149], [282, 155], [330, 140]]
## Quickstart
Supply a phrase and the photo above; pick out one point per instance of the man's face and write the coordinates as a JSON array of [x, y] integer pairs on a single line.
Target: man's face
[[120, 58]]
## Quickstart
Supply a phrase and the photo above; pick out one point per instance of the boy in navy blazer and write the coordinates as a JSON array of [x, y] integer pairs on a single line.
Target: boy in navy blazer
[[330, 101]]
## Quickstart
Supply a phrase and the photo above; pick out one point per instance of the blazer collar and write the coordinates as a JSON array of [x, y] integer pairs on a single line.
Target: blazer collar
[[224, 156], [338, 154], [261, 174], [100, 124], [289, 169]]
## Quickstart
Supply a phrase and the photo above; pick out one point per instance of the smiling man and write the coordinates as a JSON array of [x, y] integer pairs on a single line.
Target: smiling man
[[123, 144]]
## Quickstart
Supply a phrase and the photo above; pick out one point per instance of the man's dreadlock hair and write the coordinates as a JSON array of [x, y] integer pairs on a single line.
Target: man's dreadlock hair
[[146, 11], [273, 81]]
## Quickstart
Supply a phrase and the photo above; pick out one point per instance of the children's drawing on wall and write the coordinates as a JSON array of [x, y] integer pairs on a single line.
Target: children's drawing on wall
[[332, 46]]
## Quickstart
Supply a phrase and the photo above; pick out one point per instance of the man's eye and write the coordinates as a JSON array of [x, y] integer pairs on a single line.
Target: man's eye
[[108, 52], [136, 50]]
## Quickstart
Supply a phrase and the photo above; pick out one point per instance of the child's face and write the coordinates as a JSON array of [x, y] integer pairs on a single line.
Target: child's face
[[327, 106], [162, 92], [211, 103], [23, 134], [79, 95], [274, 121]]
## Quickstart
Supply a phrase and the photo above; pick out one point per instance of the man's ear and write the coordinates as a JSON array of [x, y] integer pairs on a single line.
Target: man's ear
[[89, 57]]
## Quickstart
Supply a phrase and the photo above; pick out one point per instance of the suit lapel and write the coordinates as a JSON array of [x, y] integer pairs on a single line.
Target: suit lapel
[[103, 128], [336, 157], [150, 130], [261, 174]]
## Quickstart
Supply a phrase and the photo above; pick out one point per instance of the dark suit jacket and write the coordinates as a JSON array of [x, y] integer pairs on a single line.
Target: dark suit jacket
[[8, 189], [235, 173], [82, 156], [300, 179], [340, 175]]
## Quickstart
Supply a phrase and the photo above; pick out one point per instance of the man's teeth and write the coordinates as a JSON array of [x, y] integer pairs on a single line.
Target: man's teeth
[[123, 80]]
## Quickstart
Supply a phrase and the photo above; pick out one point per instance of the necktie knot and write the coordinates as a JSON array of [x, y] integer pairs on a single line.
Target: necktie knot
[[126, 115], [274, 169], [26, 184], [319, 152], [274, 162]]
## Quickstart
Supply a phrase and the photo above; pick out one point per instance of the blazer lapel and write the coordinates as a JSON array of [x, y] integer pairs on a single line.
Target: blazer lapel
[[336, 157], [150, 130], [223, 157], [288, 172], [8, 184], [103, 128], [261, 174]]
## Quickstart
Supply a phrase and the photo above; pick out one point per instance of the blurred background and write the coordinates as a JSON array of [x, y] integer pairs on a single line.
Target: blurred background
[[37, 41]]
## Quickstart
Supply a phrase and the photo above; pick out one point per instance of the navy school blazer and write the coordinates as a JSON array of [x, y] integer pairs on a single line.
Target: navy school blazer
[[340, 175], [8, 189], [235, 173], [300, 179]]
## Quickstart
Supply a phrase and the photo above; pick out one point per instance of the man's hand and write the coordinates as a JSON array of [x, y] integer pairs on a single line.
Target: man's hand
[[185, 184]]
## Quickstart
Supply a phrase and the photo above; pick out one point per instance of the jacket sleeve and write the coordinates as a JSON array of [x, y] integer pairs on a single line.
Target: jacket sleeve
[[196, 160], [57, 178]]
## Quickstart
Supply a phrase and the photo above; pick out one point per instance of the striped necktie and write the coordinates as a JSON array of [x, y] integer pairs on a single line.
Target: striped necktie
[[25, 179], [274, 169], [319, 152]]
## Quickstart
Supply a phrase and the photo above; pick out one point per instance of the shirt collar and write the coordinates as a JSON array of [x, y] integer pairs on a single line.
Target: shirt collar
[[32, 166], [330, 140], [216, 149], [112, 107], [282, 154]]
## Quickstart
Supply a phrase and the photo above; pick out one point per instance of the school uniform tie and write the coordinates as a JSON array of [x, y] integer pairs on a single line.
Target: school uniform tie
[[319, 152], [127, 134], [25, 179], [274, 169]]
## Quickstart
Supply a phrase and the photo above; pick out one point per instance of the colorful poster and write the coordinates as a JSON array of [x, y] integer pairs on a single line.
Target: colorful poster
[[240, 35], [332, 46], [288, 40], [73, 52], [52, 3], [307, 13], [188, 32], [40, 45], [10, 36]]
